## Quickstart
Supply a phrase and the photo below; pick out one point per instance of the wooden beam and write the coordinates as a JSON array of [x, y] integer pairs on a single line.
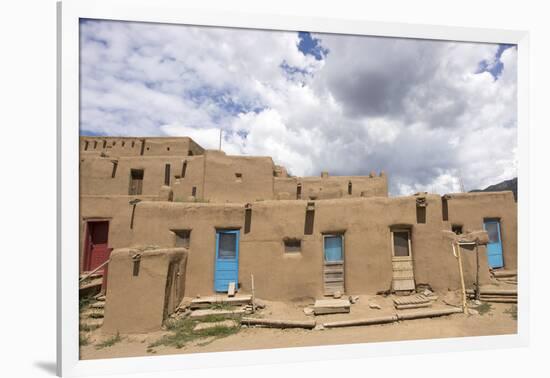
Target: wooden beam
[[361, 322], [272, 323]]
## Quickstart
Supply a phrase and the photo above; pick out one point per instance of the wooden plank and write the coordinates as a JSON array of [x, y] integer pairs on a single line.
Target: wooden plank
[[274, 323], [500, 300], [329, 269], [340, 279], [414, 305], [231, 289], [329, 263], [361, 322], [403, 284], [428, 313]]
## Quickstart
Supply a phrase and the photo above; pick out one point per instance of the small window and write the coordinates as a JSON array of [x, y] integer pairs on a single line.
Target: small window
[[133, 144], [114, 143], [299, 191], [293, 245], [86, 146], [113, 172], [239, 177], [457, 229], [444, 209], [104, 144], [167, 175], [95, 144], [349, 188], [420, 215], [401, 243], [183, 238], [123, 143], [137, 262], [194, 191]]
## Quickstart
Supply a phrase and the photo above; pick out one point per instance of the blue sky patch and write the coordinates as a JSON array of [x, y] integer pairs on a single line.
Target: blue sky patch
[[497, 68], [311, 46]]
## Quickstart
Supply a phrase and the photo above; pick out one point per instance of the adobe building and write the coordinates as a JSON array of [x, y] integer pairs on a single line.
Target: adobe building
[[221, 218]]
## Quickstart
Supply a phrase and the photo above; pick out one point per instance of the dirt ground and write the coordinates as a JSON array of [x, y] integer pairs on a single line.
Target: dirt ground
[[498, 320]]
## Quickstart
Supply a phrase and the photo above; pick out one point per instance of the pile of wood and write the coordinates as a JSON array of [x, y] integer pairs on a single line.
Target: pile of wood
[[495, 295], [412, 301]]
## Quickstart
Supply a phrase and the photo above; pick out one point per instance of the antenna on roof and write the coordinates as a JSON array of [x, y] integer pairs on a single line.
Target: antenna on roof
[[220, 148], [460, 181]]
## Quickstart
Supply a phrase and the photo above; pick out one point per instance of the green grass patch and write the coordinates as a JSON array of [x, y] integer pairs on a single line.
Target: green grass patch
[[84, 302], [484, 308], [181, 332], [109, 342], [83, 339], [221, 306], [513, 311], [87, 327]]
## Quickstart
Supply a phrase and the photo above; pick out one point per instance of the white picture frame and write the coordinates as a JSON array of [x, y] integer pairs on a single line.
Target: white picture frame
[[166, 11]]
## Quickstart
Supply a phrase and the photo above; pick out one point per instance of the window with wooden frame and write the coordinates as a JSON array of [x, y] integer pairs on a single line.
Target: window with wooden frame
[[136, 182], [292, 245], [401, 243]]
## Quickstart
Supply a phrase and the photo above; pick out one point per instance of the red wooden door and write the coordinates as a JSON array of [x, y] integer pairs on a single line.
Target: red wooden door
[[98, 250]]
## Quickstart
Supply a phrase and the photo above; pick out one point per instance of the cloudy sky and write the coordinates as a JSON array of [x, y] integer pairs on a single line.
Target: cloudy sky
[[425, 112]]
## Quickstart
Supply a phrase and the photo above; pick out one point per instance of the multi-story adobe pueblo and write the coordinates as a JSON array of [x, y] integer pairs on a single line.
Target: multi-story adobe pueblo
[[221, 218]]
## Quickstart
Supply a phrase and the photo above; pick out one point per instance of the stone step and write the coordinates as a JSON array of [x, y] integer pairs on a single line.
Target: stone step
[[237, 300], [98, 305], [331, 306], [501, 273]]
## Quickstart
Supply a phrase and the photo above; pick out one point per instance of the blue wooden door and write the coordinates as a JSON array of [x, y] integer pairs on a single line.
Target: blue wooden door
[[227, 259], [333, 248], [494, 248]]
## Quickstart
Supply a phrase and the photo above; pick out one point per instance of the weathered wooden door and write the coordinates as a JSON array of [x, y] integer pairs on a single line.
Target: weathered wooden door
[[227, 260], [402, 261], [333, 273], [136, 182], [494, 248], [97, 250]]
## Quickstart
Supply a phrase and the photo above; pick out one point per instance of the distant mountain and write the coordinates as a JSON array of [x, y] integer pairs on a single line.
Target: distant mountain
[[501, 186]]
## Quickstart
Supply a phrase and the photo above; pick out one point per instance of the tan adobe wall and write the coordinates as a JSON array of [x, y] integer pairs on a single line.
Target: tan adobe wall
[[367, 242], [140, 297], [464, 209], [123, 146], [331, 187], [237, 178], [215, 176], [96, 174]]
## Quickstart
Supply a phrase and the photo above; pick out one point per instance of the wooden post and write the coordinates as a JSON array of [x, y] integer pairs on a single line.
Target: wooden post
[[477, 274], [253, 297], [464, 308]]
